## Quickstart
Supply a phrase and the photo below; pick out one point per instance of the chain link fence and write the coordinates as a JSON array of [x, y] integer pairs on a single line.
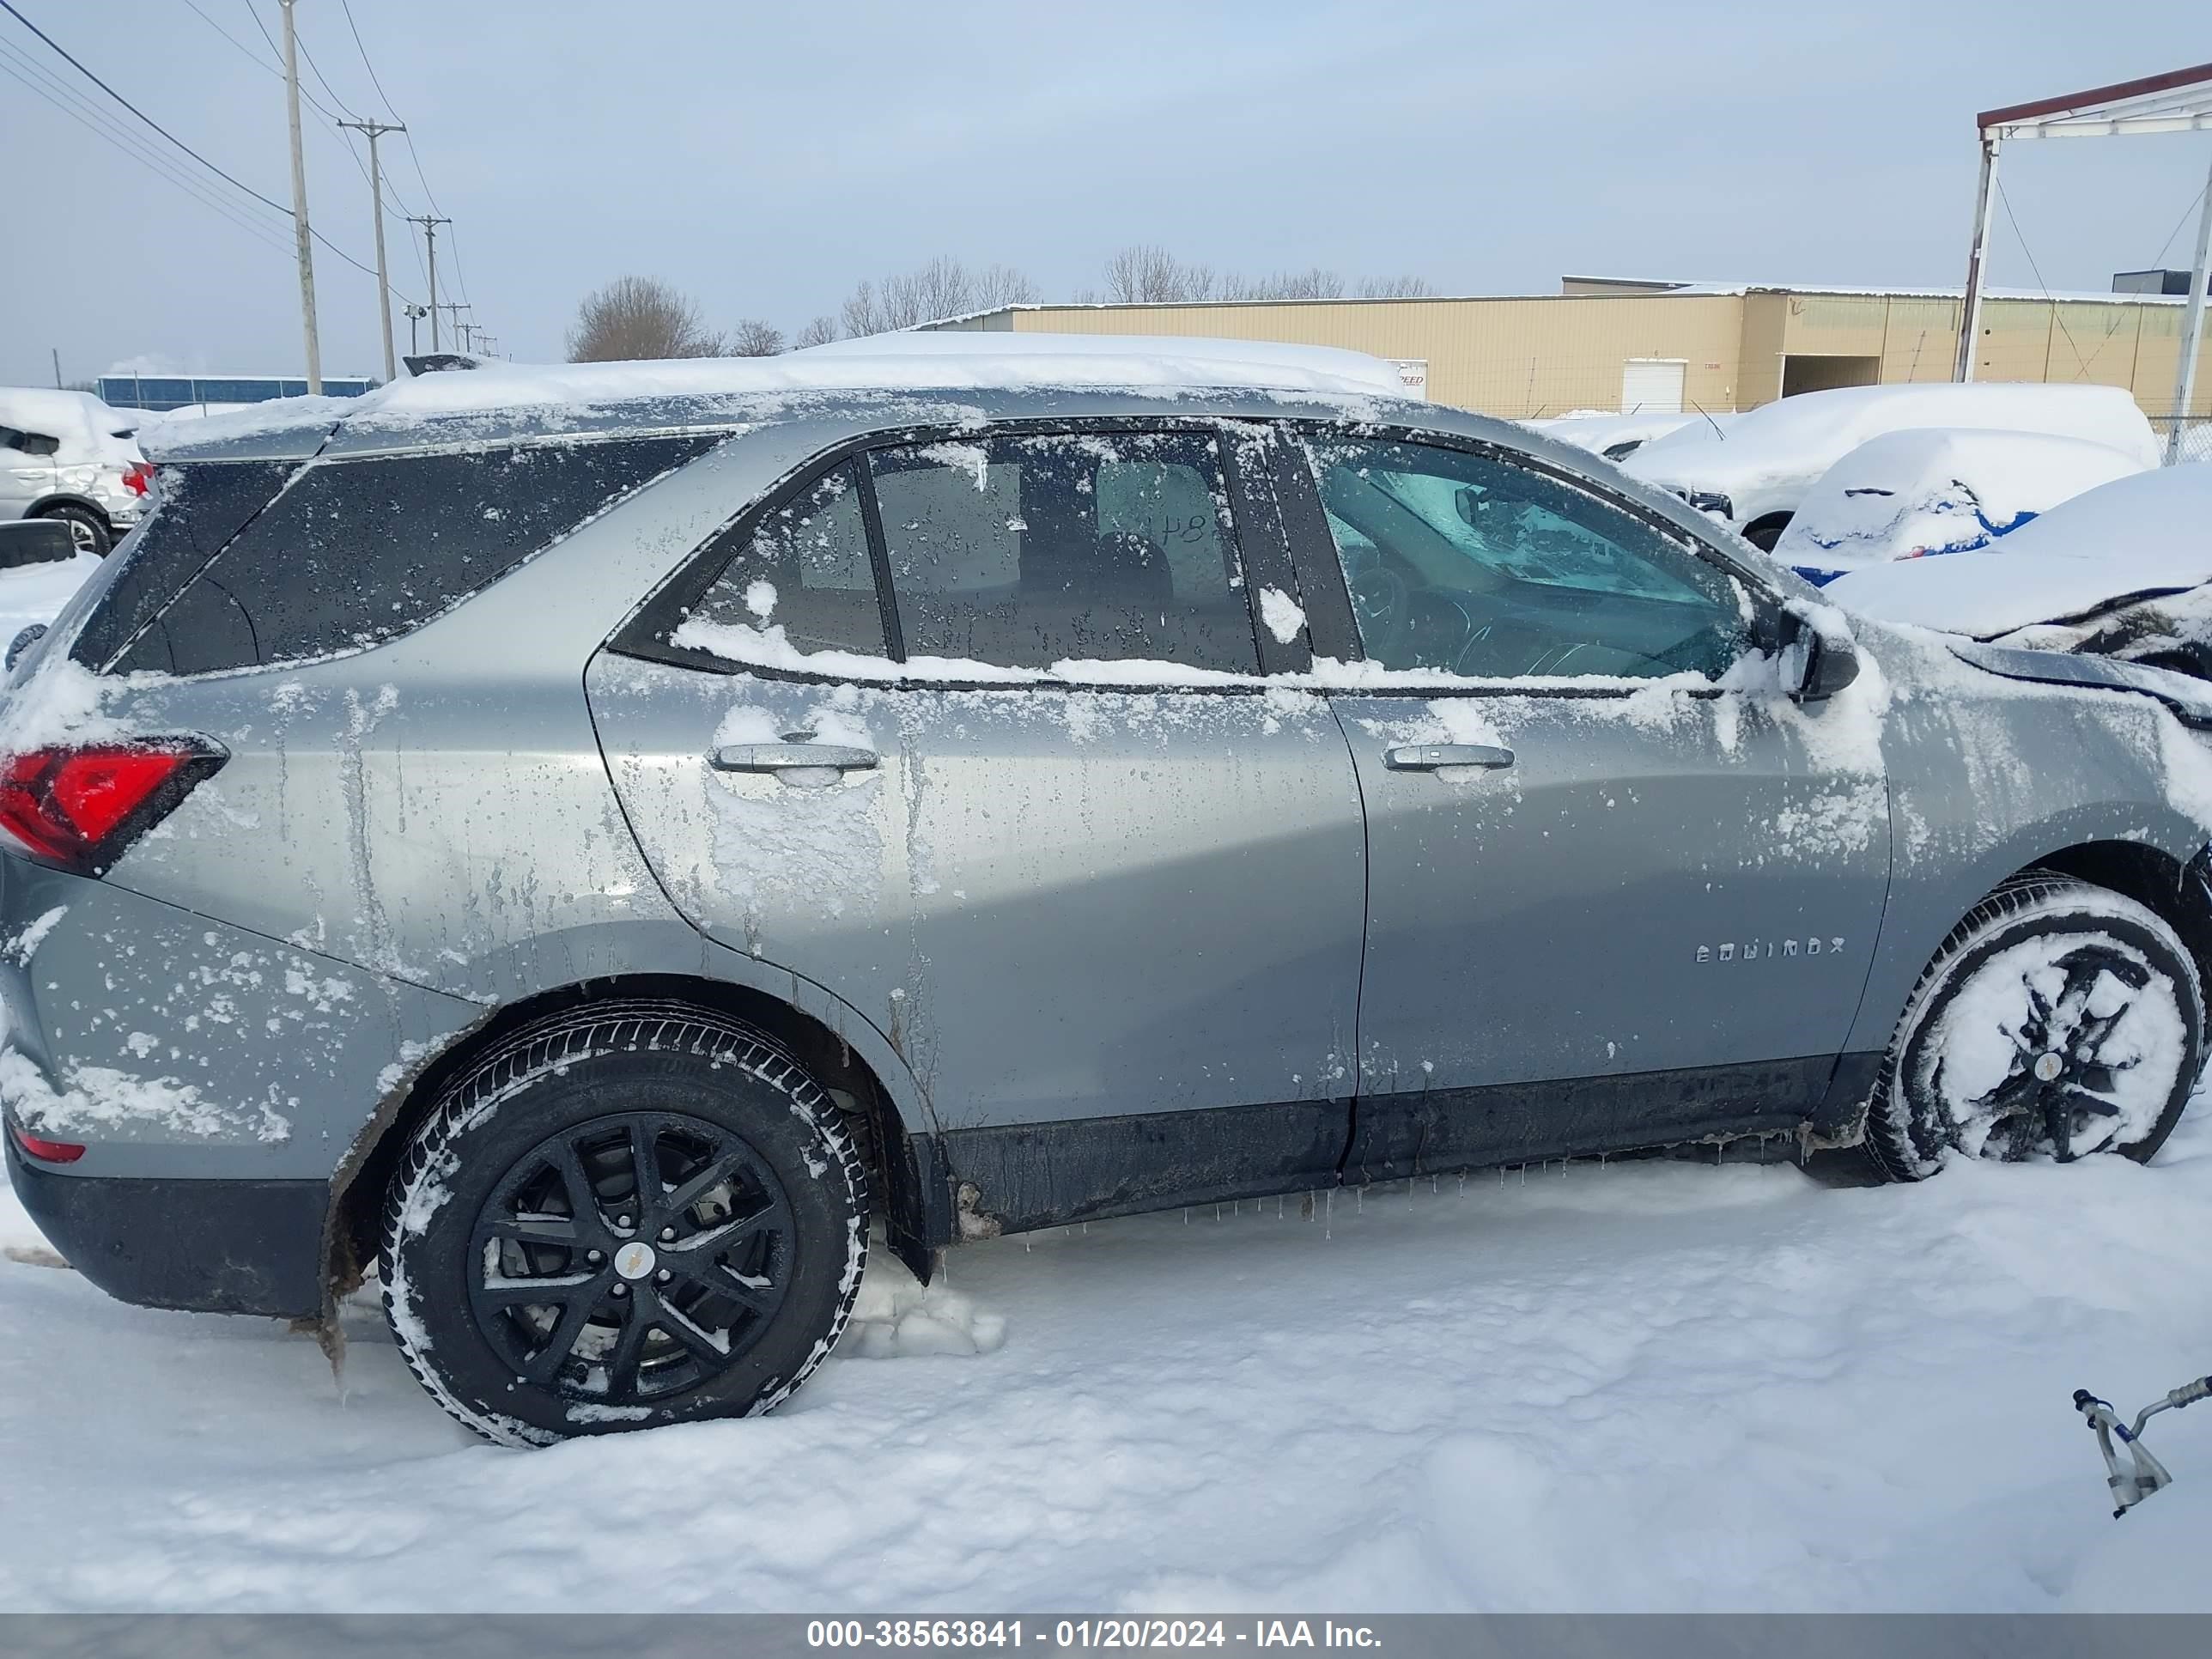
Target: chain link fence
[[2195, 435]]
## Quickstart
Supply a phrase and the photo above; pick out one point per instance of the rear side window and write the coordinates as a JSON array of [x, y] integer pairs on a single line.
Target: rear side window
[[359, 552], [1025, 552], [198, 508], [805, 567]]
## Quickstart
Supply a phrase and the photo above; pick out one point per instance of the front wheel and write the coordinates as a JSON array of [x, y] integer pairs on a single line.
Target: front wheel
[[2059, 1018], [636, 1214]]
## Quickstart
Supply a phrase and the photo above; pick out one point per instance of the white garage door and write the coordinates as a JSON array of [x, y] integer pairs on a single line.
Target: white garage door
[[1652, 386]]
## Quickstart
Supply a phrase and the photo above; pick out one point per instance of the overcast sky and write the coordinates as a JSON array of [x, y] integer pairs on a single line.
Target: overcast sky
[[764, 158]]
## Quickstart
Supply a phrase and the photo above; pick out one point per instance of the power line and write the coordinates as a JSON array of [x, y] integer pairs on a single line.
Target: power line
[[68, 58], [63, 52], [398, 206], [460, 277], [152, 161]]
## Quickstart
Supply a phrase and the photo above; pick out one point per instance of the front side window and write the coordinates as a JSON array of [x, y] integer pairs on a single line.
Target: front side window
[[1025, 552], [1470, 565], [803, 568]]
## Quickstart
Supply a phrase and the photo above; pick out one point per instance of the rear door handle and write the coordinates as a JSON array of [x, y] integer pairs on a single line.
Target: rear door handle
[[791, 756], [1428, 757]]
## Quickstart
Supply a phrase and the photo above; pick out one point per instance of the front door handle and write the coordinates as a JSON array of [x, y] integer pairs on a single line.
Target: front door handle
[[792, 757], [1429, 757]]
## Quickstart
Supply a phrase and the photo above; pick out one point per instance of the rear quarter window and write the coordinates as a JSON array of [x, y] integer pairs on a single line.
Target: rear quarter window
[[198, 509], [356, 553]]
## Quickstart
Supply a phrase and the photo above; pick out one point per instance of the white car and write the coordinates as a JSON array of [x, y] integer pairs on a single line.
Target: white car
[[67, 455], [1914, 495], [1755, 472], [2124, 570]]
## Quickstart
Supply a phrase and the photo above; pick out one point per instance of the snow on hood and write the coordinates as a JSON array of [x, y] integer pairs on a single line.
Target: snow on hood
[[2150, 533], [1794, 440], [1942, 490]]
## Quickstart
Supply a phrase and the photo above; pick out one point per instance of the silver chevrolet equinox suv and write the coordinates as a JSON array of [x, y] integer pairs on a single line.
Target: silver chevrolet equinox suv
[[597, 856]]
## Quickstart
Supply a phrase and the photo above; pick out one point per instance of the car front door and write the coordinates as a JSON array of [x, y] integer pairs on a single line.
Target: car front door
[[1621, 890], [1029, 801]]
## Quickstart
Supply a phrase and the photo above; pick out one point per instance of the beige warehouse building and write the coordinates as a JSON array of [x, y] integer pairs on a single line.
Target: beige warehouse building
[[1602, 343]]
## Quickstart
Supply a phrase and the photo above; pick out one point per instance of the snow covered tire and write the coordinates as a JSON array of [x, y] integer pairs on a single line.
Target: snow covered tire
[[2054, 1004], [630, 1215]]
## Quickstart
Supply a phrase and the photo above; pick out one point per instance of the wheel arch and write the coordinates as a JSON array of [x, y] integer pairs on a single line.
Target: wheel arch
[[1775, 522], [904, 1165], [46, 504]]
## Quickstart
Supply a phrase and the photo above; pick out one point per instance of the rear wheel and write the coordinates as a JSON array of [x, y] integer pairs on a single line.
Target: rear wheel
[[88, 529], [2059, 1019], [635, 1215]]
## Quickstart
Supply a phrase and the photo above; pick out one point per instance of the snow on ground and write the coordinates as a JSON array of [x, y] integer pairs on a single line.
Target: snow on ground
[[1638, 1385], [36, 592]]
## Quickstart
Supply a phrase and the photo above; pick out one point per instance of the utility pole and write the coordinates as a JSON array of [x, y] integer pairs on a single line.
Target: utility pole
[[457, 306], [299, 206], [2192, 328], [430, 221], [376, 130], [56, 350]]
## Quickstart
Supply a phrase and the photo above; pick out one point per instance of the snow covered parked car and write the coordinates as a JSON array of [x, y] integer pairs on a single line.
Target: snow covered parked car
[[67, 455], [1755, 472], [1616, 437], [2123, 571], [1916, 493], [602, 844]]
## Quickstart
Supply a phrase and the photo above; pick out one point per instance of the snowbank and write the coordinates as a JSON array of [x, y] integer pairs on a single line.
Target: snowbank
[[1629, 1386], [1905, 494], [1768, 458], [36, 592], [2150, 533]]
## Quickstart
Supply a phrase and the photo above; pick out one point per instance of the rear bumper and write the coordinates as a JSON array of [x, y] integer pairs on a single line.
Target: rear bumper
[[243, 1247]]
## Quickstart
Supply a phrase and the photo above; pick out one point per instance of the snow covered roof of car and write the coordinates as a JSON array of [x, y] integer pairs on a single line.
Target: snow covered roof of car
[[2139, 535], [697, 390]]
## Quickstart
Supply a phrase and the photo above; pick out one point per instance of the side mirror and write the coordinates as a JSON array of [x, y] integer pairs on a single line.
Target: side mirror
[[1820, 657], [34, 540], [1468, 503]]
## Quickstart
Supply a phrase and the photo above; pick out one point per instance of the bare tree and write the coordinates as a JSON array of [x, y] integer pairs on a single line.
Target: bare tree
[[640, 317], [820, 332], [1313, 283], [943, 287], [755, 338], [1397, 287], [1144, 273]]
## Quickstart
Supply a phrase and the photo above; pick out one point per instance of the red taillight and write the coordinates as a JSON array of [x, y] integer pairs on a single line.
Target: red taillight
[[79, 808], [49, 1151], [138, 478]]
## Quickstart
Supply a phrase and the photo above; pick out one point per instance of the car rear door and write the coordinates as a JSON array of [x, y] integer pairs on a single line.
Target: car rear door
[[1621, 891], [975, 729], [27, 470]]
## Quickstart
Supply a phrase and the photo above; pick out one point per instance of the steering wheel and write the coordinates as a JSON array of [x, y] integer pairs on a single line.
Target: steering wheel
[[1383, 605]]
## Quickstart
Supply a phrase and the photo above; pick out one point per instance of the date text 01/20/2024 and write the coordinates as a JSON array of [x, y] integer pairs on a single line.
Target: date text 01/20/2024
[[1086, 1633]]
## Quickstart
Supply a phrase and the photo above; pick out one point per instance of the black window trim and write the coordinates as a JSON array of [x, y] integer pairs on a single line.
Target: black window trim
[[647, 633], [1306, 528]]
